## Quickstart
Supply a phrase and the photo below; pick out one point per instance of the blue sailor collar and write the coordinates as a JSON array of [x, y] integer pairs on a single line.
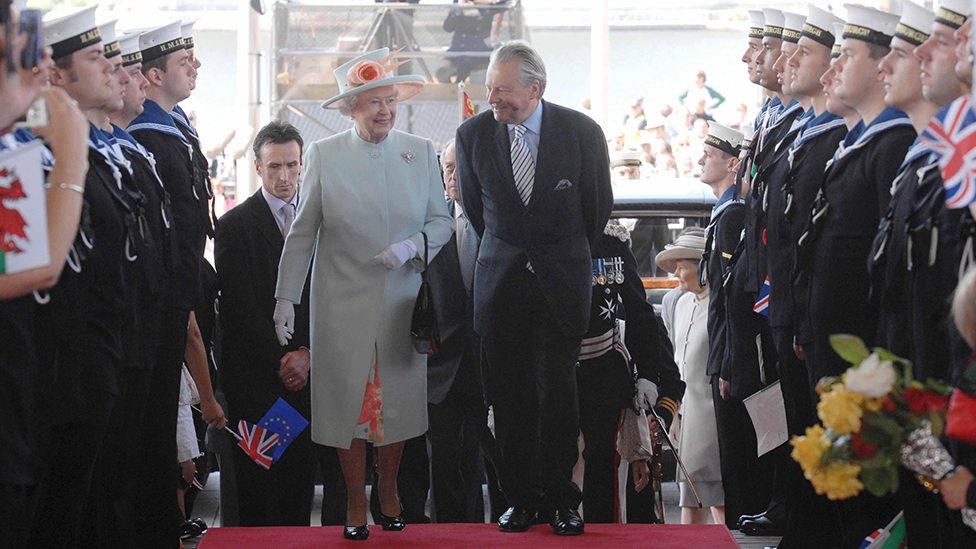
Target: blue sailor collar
[[761, 117], [889, 118], [786, 110], [126, 141], [23, 136], [813, 127], [724, 202], [921, 147], [98, 143], [183, 120], [154, 118]]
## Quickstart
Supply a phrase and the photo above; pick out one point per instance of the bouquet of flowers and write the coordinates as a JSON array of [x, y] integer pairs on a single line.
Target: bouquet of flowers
[[868, 415]]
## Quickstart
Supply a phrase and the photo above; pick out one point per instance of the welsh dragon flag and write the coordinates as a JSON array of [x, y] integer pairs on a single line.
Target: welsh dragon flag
[[23, 210]]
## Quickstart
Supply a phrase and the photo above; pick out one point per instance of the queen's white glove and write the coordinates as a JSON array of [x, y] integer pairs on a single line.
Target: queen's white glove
[[395, 255], [284, 319], [646, 396]]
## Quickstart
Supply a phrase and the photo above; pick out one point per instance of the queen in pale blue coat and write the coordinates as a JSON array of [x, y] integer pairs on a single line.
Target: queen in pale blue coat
[[367, 195]]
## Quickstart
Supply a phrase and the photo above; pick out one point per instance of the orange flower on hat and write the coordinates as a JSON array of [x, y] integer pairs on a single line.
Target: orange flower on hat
[[365, 72]]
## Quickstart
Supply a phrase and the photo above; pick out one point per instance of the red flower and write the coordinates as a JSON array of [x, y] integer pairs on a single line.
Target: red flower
[[921, 401], [862, 449], [888, 405]]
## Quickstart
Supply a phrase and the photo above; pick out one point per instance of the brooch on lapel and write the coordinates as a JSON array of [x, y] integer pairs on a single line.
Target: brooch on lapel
[[408, 156]]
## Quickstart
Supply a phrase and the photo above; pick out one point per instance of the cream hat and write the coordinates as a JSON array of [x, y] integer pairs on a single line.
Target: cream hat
[[915, 24], [370, 71], [690, 246]]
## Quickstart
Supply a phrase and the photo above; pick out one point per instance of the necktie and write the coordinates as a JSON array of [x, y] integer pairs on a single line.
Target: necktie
[[288, 211], [523, 167], [462, 222]]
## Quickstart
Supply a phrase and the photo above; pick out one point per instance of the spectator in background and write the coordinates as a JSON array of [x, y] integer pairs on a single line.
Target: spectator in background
[[634, 123], [700, 92], [625, 165], [701, 112]]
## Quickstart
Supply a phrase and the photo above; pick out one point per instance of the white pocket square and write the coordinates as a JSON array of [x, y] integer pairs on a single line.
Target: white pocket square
[[563, 184]]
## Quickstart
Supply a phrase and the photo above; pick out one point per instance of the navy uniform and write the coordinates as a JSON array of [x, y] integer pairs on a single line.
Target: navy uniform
[[156, 130], [836, 245], [608, 356]]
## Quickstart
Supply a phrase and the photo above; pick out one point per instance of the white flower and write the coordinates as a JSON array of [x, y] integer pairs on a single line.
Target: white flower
[[872, 378]]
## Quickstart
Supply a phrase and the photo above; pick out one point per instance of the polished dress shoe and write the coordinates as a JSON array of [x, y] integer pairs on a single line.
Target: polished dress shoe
[[356, 533], [393, 524], [762, 526], [744, 518], [516, 519], [566, 522]]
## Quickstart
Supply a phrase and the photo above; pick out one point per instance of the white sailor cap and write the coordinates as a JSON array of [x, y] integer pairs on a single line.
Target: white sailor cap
[[838, 38], [773, 22], [915, 24], [747, 135], [819, 26], [625, 158], [186, 31], [109, 42], [68, 34], [792, 26], [160, 41], [129, 48], [724, 138], [870, 25], [756, 23], [953, 13]]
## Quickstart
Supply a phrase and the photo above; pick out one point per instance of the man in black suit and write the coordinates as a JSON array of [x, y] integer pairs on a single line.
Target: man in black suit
[[256, 370], [535, 184], [456, 409]]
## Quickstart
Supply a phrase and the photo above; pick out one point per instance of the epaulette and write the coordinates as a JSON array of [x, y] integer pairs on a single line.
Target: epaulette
[[616, 230]]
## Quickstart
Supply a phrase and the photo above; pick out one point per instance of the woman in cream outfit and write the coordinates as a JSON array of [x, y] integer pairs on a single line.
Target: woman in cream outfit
[[366, 196], [698, 437]]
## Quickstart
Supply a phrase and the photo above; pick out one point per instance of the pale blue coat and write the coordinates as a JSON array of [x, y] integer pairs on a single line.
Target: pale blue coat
[[356, 199]]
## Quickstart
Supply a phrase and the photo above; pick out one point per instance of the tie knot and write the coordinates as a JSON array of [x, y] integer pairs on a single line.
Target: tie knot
[[519, 130]]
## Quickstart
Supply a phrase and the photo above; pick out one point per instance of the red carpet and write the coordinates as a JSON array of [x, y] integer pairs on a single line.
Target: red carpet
[[469, 536]]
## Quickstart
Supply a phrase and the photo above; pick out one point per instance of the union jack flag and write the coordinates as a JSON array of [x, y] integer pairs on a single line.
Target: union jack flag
[[258, 443], [952, 135], [762, 304]]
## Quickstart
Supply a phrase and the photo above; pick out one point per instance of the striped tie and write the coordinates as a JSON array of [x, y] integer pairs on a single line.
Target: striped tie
[[523, 167]]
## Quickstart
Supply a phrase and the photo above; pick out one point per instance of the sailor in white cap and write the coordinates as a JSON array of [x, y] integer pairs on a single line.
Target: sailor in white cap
[[940, 83], [754, 45], [169, 71], [625, 164], [834, 250], [789, 203], [719, 164], [964, 52], [792, 28], [830, 84], [96, 356]]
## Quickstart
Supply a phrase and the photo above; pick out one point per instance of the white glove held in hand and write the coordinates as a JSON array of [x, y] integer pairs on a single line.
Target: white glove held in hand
[[284, 319], [395, 255], [646, 396]]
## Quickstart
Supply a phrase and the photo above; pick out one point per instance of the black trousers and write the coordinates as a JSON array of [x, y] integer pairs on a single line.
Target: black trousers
[[460, 446], [281, 495], [63, 491], [110, 504], [599, 420], [746, 478], [153, 525], [532, 387], [15, 514], [333, 485]]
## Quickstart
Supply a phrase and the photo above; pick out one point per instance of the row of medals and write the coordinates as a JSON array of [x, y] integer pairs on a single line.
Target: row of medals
[[608, 270]]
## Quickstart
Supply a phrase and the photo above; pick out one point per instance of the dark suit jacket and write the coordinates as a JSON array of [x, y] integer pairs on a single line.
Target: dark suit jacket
[[247, 250], [554, 231], [455, 311]]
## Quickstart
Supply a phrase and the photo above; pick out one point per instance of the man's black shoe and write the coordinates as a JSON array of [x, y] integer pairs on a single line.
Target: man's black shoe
[[516, 519], [762, 526], [744, 518], [566, 522]]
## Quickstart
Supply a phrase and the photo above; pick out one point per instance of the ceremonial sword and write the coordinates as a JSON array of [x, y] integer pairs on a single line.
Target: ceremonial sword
[[660, 423]]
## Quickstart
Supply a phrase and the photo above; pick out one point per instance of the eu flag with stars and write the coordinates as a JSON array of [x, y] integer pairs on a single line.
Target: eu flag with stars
[[286, 422]]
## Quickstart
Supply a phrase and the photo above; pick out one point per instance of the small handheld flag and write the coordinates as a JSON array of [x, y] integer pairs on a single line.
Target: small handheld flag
[[952, 136], [284, 421], [258, 443], [762, 304]]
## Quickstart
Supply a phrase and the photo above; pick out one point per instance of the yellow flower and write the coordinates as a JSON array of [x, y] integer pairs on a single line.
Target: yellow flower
[[807, 450], [840, 410], [837, 481]]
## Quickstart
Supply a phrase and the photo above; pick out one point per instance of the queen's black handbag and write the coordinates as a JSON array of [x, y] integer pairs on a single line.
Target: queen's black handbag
[[423, 324]]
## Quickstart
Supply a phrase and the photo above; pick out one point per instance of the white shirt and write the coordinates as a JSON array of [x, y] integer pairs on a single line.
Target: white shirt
[[533, 126], [275, 204]]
